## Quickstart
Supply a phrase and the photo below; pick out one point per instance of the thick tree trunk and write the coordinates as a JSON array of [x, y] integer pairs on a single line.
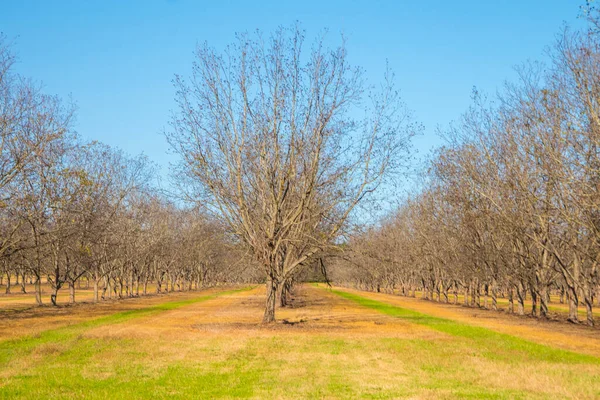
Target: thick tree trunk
[[544, 302], [269, 315]]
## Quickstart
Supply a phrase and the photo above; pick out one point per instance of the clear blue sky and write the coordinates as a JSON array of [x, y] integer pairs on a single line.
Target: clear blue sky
[[117, 58]]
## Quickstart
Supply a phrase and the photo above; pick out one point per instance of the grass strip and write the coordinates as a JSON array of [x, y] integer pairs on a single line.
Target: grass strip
[[494, 344], [24, 345]]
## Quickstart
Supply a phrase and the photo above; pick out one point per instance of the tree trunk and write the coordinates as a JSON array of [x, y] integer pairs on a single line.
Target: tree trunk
[[486, 289], [38, 291], [8, 284], [71, 292], [96, 290], [455, 292], [588, 299], [445, 293], [269, 315], [534, 298], [544, 302], [573, 300], [53, 296], [562, 295], [520, 299], [108, 287], [23, 283], [283, 297]]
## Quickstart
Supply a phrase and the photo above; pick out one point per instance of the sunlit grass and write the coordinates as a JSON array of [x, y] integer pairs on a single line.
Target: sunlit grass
[[421, 357], [10, 349], [513, 348]]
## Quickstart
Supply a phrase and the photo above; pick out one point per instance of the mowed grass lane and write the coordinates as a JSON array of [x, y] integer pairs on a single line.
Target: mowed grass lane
[[330, 345]]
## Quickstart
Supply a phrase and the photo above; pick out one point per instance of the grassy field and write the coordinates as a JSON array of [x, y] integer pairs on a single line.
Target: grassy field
[[332, 344]]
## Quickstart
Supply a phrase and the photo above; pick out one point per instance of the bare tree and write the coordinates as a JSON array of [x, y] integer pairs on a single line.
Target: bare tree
[[282, 145]]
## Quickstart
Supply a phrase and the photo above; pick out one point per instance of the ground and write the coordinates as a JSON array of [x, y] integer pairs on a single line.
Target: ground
[[333, 343]]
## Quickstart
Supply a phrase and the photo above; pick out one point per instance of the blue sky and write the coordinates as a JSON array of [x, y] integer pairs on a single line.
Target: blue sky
[[117, 58]]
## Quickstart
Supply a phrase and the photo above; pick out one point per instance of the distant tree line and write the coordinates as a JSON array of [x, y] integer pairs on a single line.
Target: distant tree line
[[73, 212], [511, 205]]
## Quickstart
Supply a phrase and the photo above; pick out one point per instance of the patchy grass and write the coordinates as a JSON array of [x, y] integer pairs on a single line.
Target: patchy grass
[[55, 337], [335, 345], [514, 349]]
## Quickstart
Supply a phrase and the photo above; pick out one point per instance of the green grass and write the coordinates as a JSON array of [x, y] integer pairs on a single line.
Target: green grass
[[20, 347], [513, 348], [436, 358], [100, 369]]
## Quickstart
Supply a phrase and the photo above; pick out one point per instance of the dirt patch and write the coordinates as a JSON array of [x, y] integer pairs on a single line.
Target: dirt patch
[[313, 311]]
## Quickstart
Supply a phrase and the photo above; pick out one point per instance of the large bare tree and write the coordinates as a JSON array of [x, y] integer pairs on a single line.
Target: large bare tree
[[283, 144]]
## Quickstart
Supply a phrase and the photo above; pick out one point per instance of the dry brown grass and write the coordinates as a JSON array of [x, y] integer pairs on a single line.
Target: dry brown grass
[[31, 320]]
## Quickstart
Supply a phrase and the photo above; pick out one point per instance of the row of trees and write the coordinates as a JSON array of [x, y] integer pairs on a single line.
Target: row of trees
[[72, 211], [278, 148], [511, 205]]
